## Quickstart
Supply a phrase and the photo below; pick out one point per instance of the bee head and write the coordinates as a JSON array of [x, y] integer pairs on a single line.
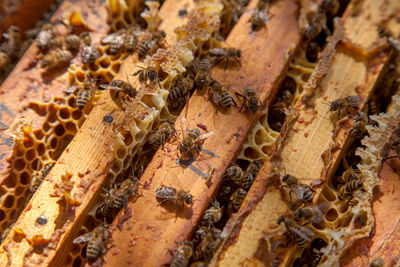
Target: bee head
[[359, 184], [281, 219], [201, 83], [333, 106], [189, 199]]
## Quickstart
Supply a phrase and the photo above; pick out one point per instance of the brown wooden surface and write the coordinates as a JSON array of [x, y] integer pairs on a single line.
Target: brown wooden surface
[[312, 135], [152, 230]]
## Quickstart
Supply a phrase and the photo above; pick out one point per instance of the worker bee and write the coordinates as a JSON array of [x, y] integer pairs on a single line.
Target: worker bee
[[259, 17], [208, 245], [85, 38], [250, 100], [89, 54], [360, 122], [12, 41], [115, 40], [191, 144], [311, 214], [301, 234], [39, 176], [220, 95], [96, 241], [182, 254], [70, 42], [131, 40], [203, 72], [180, 198], [150, 43], [213, 214], [225, 193], [163, 132], [85, 93], [118, 197], [121, 86], [226, 54], [236, 200], [347, 103], [330, 7], [316, 23], [349, 175], [56, 58], [302, 191], [4, 60], [346, 191], [312, 51], [148, 73], [45, 37], [181, 88], [234, 172]]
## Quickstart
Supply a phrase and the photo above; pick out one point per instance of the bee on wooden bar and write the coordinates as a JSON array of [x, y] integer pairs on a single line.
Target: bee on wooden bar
[[302, 235], [236, 200], [57, 58], [121, 86], [182, 254], [347, 190], [191, 144], [213, 214], [45, 37], [181, 88], [89, 54], [96, 241], [360, 122], [203, 73], [312, 51], [226, 54], [301, 191], [163, 132], [348, 103], [115, 40], [148, 44], [85, 38], [12, 41], [250, 100], [220, 95], [131, 40], [208, 245], [180, 198], [311, 214], [118, 197], [39, 176], [148, 73]]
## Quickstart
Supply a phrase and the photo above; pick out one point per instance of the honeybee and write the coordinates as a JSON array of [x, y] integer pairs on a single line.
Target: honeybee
[[346, 191], [86, 39], [84, 94], [115, 40], [191, 144], [96, 241], [89, 54], [118, 197], [234, 172], [45, 37], [312, 51], [146, 45], [311, 214], [121, 86], [349, 175], [213, 214], [182, 88], [164, 131], [203, 72], [372, 108], [220, 95], [180, 198], [131, 40], [348, 103], [70, 42], [242, 178], [210, 243], [225, 193], [302, 235], [259, 17], [236, 200], [226, 53], [316, 23], [39, 176], [302, 191], [56, 58], [377, 262], [148, 73], [330, 7], [250, 100], [182, 254], [4, 60], [12, 41], [360, 121]]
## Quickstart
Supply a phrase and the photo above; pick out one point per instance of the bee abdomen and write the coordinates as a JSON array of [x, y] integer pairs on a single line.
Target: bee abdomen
[[179, 261], [92, 251], [226, 100], [176, 93], [308, 195], [143, 48], [130, 43], [82, 98], [195, 133]]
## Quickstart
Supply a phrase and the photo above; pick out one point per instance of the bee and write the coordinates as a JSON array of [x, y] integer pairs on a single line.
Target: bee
[[4, 60], [84, 94], [148, 73], [316, 23], [203, 72], [360, 121], [131, 40], [377, 262], [302, 235], [146, 45], [182, 254], [39, 176], [191, 144], [346, 191], [347, 103], [121, 86], [330, 7], [182, 88], [115, 40], [311, 214], [226, 54], [220, 95], [372, 108], [45, 37], [12, 41], [234, 172], [164, 131], [56, 58], [209, 244], [259, 17], [89, 54], [225, 193], [312, 51], [349, 175], [118, 197], [213, 214], [86, 39], [302, 191], [180, 198], [70, 42], [236, 200], [250, 100], [96, 241]]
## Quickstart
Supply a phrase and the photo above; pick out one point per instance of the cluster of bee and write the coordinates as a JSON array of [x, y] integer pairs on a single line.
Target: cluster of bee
[[10, 48]]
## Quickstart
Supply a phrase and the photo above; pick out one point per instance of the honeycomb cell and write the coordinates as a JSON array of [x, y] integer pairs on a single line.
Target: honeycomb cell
[[54, 142], [41, 149], [128, 139], [71, 127], [11, 180], [8, 202], [116, 167], [331, 215], [39, 134], [105, 63], [139, 136], [19, 190], [52, 118], [121, 152], [250, 153], [71, 101], [115, 66], [24, 178], [46, 127], [19, 164], [59, 130], [20, 202], [77, 114], [28, 142], [328, 194], [64, 113]]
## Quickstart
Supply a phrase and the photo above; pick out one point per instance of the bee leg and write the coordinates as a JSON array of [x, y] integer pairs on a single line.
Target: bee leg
[[226, 62], [238, 61], [126, 202], [162, 141]]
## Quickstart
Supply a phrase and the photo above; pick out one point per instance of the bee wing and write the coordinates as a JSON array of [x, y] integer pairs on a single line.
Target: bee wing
[[83, 238], [299, 190], [114, 88], [302, 231], [204, 136], [108, 38], [217, 51], [71, 89]]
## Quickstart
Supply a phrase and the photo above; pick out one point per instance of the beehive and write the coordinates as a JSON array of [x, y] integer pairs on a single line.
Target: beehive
[[123, 141]]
